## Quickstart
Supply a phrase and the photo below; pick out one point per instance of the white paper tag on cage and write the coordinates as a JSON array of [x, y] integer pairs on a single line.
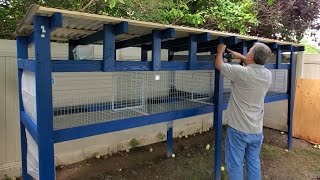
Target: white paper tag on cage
[[157, 77]]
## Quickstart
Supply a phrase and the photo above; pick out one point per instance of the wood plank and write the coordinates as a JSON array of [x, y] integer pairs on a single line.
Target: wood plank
[[3, 151], [306, 116], [12, 121]]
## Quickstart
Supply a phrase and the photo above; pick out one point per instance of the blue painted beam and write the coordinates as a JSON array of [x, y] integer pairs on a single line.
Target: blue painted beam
[[43, 80], [289, 48], [164, 34], [209, 45], [96, 65], [174, 43], [203, 37], [133, 66], [168, 33], [55, 21], [276, 97], [272, 46], [121, 28], [26, 64], [122, 124], [184, 41], [173, 65], [30, 39], [76, 66], [118, 29], [29, 125], [204, 66], [276, 66], [299, 48], [22, 53]]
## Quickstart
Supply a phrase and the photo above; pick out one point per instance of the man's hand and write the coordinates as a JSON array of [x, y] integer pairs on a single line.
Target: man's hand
[[237, 55], [219, 56], [220, 49]]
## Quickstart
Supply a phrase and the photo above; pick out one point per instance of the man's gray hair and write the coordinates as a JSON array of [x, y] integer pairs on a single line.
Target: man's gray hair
[[261, 53]]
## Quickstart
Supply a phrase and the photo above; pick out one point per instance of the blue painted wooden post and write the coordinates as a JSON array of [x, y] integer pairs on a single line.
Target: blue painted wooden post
[[279, 58], [44, 97], [170, 55], [156, 50], [156, 66], [72, 44], [192, 58], [169, 138], [291, 95], [108, 48], [144, 53], [244, 48], [22, 53], [218, 110]]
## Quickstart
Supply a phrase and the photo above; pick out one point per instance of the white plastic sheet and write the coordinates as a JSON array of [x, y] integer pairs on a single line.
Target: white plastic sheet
[[29, 103], [32, 157]]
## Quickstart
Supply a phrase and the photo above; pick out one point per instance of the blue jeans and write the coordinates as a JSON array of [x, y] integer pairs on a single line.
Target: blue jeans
[[239, 145]]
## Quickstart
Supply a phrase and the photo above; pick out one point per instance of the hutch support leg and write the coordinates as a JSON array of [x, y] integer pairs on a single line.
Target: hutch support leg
[[43, 81], [192, 58], [278, 57], [144, 53], [169, 138], [170, 55], [22, 53], [218, 111], [291, 95], [71, 45], [109, 54]]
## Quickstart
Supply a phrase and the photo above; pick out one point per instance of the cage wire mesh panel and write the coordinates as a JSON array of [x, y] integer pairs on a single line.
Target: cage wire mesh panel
[[89, 98]]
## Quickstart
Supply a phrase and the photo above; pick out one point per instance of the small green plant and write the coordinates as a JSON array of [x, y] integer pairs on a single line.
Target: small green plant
[[6, 177], [134, 143], [161, 136]]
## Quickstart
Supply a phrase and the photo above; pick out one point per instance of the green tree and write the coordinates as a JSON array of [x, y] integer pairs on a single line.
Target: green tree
[[231, 15], [281, 19], [309, 48]]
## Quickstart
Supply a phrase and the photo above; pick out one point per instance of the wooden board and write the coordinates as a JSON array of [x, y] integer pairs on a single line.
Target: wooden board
[[306, 115]]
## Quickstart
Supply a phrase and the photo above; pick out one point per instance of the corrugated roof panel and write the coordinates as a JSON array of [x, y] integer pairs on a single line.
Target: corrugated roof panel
[[78, 24]]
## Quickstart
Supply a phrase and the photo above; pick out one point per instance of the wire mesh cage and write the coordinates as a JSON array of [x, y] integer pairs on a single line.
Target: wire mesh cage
[[84, 99]]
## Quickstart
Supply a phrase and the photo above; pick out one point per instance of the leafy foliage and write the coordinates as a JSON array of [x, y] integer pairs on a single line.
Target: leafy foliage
[[310, 48], [233, 16], [286, 19], [134, 143]]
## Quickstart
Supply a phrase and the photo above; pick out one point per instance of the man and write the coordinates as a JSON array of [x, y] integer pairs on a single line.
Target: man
[[244, 116]]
